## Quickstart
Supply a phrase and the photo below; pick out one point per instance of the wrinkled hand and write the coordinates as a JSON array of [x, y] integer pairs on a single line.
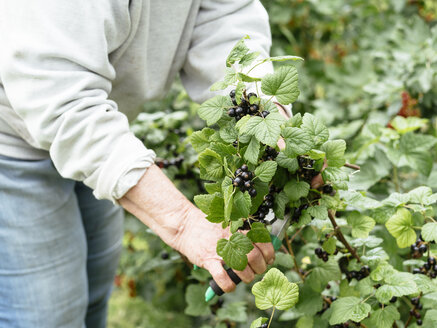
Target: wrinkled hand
[[198, 241]]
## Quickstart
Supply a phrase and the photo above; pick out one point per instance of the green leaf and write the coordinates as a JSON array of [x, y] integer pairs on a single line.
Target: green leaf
[[283, 84], [213, 109], [242, 205], [319, 212], [361, 224], [322, 274], [235, 311], [252, 151], [416, 142], [420, 195], [238, 52], [305, 322], [267, 130], [280, 201], [429, 232], [203, 202], [400, 227], [315, 128], [258, 322], [290, 164], [228, 191], [310, 301], [329, 245], [424, 284], [234, 251], [348, 308], [296, 189], [385, 317], [295, 120], [246, 78], [284, 260], [403, 125], [200, 140], [216, 209], [266, 171], [212, 187], [297, 141], [334, 150], [274, 290], [259, 234], [283, 58], [397, 284], [430, 319], [212, 165], [420, 161], [248, 59], [195, 299]]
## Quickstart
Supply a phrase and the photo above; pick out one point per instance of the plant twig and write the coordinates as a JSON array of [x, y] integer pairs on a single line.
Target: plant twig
[[290, 250], [352, 166], [340, 235]]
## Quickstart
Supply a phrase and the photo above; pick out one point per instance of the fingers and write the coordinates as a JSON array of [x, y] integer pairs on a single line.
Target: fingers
[[267, 251], [256, 261], [317, 181], [247, 275], [220, 276]]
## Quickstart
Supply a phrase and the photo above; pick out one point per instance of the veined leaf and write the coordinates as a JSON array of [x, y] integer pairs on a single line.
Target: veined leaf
[[315, 128], [296, 189], [297, 141], [259, 234], [283, 84], [334, 150], [348, 308], [238, 52], [400, 227], [213, 109], [361, 224], [234, 251], [384, 318], [266, 171], [429, 232]]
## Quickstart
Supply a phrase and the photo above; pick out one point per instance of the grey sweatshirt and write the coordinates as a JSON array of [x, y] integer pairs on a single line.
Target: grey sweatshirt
[[73, 73]]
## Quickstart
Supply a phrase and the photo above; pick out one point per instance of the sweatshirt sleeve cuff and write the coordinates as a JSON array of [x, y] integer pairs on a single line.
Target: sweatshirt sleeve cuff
[[114, 178]]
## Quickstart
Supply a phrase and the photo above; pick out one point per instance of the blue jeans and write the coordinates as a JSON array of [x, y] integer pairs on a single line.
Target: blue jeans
[[59, 248]]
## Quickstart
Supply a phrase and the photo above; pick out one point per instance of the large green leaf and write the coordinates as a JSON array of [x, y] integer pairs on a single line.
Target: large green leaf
[[429, 232], [196, 300], [397, 284], [361, 224], [242, 204], [400, 226], [348, 308], [235, 311], [200, 140], [266, 171], [322, 274], [228, 193], [384, 318], [274, 290], [283, 84], [267, 130], [212, 165], [315, 128], [213, 109], [297, 141], [252, 152], [259, 234], [234, 251], [296, 189], [334, 150], [290, 164]]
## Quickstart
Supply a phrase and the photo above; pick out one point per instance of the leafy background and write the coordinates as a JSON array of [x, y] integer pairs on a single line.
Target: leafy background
[[365, 62]]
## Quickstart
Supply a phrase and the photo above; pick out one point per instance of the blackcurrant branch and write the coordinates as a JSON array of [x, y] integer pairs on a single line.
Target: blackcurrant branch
[[340, 235], [352, 166], [290, 250]]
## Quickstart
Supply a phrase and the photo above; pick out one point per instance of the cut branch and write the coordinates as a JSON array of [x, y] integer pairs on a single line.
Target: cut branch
[[353, 166], [340, 235]]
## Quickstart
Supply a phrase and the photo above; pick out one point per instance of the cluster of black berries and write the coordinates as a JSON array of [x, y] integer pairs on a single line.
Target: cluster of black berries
[[415, 310], [244, 107], [264, 208], [297, 212], [243, 180], [270, 154], [418, 248], [165, 163], [264, 325], [306, 171], [361, 274], [327, 303], [321, 254], [429, 268]]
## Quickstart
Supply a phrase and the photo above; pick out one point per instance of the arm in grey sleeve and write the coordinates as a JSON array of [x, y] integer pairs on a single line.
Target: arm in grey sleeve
[[55, 69]]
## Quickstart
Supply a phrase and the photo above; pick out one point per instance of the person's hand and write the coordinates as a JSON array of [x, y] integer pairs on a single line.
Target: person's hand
[[198, 241], [159, 205]]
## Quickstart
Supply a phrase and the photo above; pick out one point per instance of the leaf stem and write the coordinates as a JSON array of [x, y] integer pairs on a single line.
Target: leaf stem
[[352, 166], [340, 235], [271, 317], [395, 178], [290, 250]]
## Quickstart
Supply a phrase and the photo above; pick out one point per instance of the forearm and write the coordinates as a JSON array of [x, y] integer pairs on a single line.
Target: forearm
[[157, 203]]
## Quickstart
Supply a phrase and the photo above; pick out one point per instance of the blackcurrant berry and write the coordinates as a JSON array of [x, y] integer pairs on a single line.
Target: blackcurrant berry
[[419, 322], [166, 163], [261, 215], [393, 299], [415, 300], [244, 167], [245, 176], [423, 248], [431, 261], [417, 315], [239, 111], [435, 268], [327, 189], [237, 181], [232, 112], [248, 184], [427, 266], [319, 252], [254, 109], [325, 257], [250, 95], [416, 271], [269, 204], [232, 94], [238, 172], [420, 306], [416, 249], [252, 192], [264, 325], [165, 255], [433, 275], [269, 197], [265, 113]]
